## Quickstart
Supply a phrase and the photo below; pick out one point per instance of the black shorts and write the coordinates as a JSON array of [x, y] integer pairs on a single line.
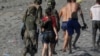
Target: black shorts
[[48, 37]]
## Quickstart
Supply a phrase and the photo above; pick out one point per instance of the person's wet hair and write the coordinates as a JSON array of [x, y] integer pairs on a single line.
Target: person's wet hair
[[71, 0], [48, 11], [98, 1]]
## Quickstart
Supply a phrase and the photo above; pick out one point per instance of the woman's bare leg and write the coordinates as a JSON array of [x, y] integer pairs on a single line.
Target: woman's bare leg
[[45, 47], [51, 50]]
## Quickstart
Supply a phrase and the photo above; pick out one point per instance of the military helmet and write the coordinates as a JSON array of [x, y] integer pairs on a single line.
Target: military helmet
[[51, 3]]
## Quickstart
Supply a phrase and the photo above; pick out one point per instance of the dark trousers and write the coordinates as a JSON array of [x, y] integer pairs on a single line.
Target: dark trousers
[[95, 27], [31, 42]]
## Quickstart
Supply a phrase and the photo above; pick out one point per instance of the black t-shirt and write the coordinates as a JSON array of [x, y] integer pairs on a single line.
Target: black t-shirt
[[48, 26]]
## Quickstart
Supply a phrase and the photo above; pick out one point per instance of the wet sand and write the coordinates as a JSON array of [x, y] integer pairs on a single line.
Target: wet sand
[[11, 12]]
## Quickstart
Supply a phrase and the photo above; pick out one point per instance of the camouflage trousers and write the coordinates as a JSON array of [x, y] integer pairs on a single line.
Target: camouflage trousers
[[31, 41]]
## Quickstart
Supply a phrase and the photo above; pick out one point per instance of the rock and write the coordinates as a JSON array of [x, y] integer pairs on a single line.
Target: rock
[[2, 7]]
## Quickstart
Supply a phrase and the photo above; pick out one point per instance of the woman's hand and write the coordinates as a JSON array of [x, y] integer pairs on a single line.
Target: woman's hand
[[56, 37], [42, 29]]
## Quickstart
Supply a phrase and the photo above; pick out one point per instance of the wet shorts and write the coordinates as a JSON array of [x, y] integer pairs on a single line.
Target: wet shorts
[[72, 25], [48, 37], [64, 26]]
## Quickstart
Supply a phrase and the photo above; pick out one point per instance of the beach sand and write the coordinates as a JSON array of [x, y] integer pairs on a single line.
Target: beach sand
[[11, 44]]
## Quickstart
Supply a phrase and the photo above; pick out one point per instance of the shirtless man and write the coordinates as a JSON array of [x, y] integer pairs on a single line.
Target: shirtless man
[[70, 18], [63, 15]]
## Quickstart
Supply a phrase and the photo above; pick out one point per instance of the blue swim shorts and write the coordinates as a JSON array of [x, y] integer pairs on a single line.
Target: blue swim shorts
[[72, 25], [64, 26]]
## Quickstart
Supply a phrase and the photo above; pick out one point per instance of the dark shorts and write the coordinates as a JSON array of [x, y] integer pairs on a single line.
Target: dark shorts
[[48, 37], [72, 25], [64, 26]]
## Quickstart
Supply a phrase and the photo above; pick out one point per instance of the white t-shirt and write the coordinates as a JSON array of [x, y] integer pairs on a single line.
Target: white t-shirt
[[95, 10]]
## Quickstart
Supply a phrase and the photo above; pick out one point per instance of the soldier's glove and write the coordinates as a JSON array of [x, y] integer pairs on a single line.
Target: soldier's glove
[[84, 26]]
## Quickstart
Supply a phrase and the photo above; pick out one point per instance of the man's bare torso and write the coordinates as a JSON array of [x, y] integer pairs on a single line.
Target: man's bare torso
[[69, 11]]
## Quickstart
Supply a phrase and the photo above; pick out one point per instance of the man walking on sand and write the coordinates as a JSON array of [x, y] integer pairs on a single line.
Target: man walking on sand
[[30, 38], [63, 16], [37, 4], [95, 16], [70, 21]]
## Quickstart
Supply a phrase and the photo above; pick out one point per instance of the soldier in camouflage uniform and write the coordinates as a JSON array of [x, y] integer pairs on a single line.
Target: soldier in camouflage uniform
[[37, 4], [30, 29], [51, 4], [30, 38]]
